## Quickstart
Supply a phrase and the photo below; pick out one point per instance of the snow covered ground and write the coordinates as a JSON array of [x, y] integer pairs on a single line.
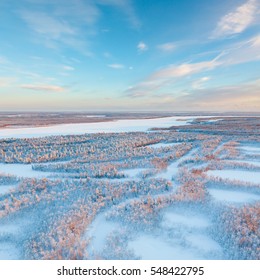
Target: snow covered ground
[[22, 170], [163, 145], [10, 232], [182, 227], [250, 149], [233, 196], [99, 230], [241, 175], [8, 251], [6, 188], [133, 172], [251, 162], [182, 234]]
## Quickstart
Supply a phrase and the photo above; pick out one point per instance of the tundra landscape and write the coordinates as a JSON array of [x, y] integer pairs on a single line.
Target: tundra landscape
[[183, 187], [130, 130]]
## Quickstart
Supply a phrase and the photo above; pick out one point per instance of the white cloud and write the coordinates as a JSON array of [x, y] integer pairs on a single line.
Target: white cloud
[[52, 88], [142, 47], [237, 21], [116, 66], [167, 47]]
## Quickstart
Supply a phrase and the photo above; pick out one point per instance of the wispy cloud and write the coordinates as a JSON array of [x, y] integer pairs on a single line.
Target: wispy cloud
[[6, 81], [167, 47], [3, 60], [243, 97], [199, 83], [238, 20], [55, 30], [168, 75], [67, 21], [107, 54], [51, 88], [238, 53], [141, 47], [77, 11], [46, 25], [242, 52], [184, 69], [68, 68], [116, 66], [127, 8]]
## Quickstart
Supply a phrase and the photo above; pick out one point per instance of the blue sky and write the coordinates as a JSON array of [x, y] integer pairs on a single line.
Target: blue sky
[[139, 55]]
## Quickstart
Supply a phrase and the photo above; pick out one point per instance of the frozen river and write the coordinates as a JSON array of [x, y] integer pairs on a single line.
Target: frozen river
[[111, 126]]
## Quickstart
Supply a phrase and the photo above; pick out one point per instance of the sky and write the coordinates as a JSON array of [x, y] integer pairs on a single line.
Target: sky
[[130, 55]]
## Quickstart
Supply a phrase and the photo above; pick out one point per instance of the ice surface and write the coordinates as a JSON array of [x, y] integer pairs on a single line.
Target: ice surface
[[215, 120], [241, 175], [233, 196], [111, 126]]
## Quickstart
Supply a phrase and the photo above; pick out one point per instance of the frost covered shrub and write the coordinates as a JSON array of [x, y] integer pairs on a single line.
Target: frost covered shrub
[[242, 230], [85, 166]]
